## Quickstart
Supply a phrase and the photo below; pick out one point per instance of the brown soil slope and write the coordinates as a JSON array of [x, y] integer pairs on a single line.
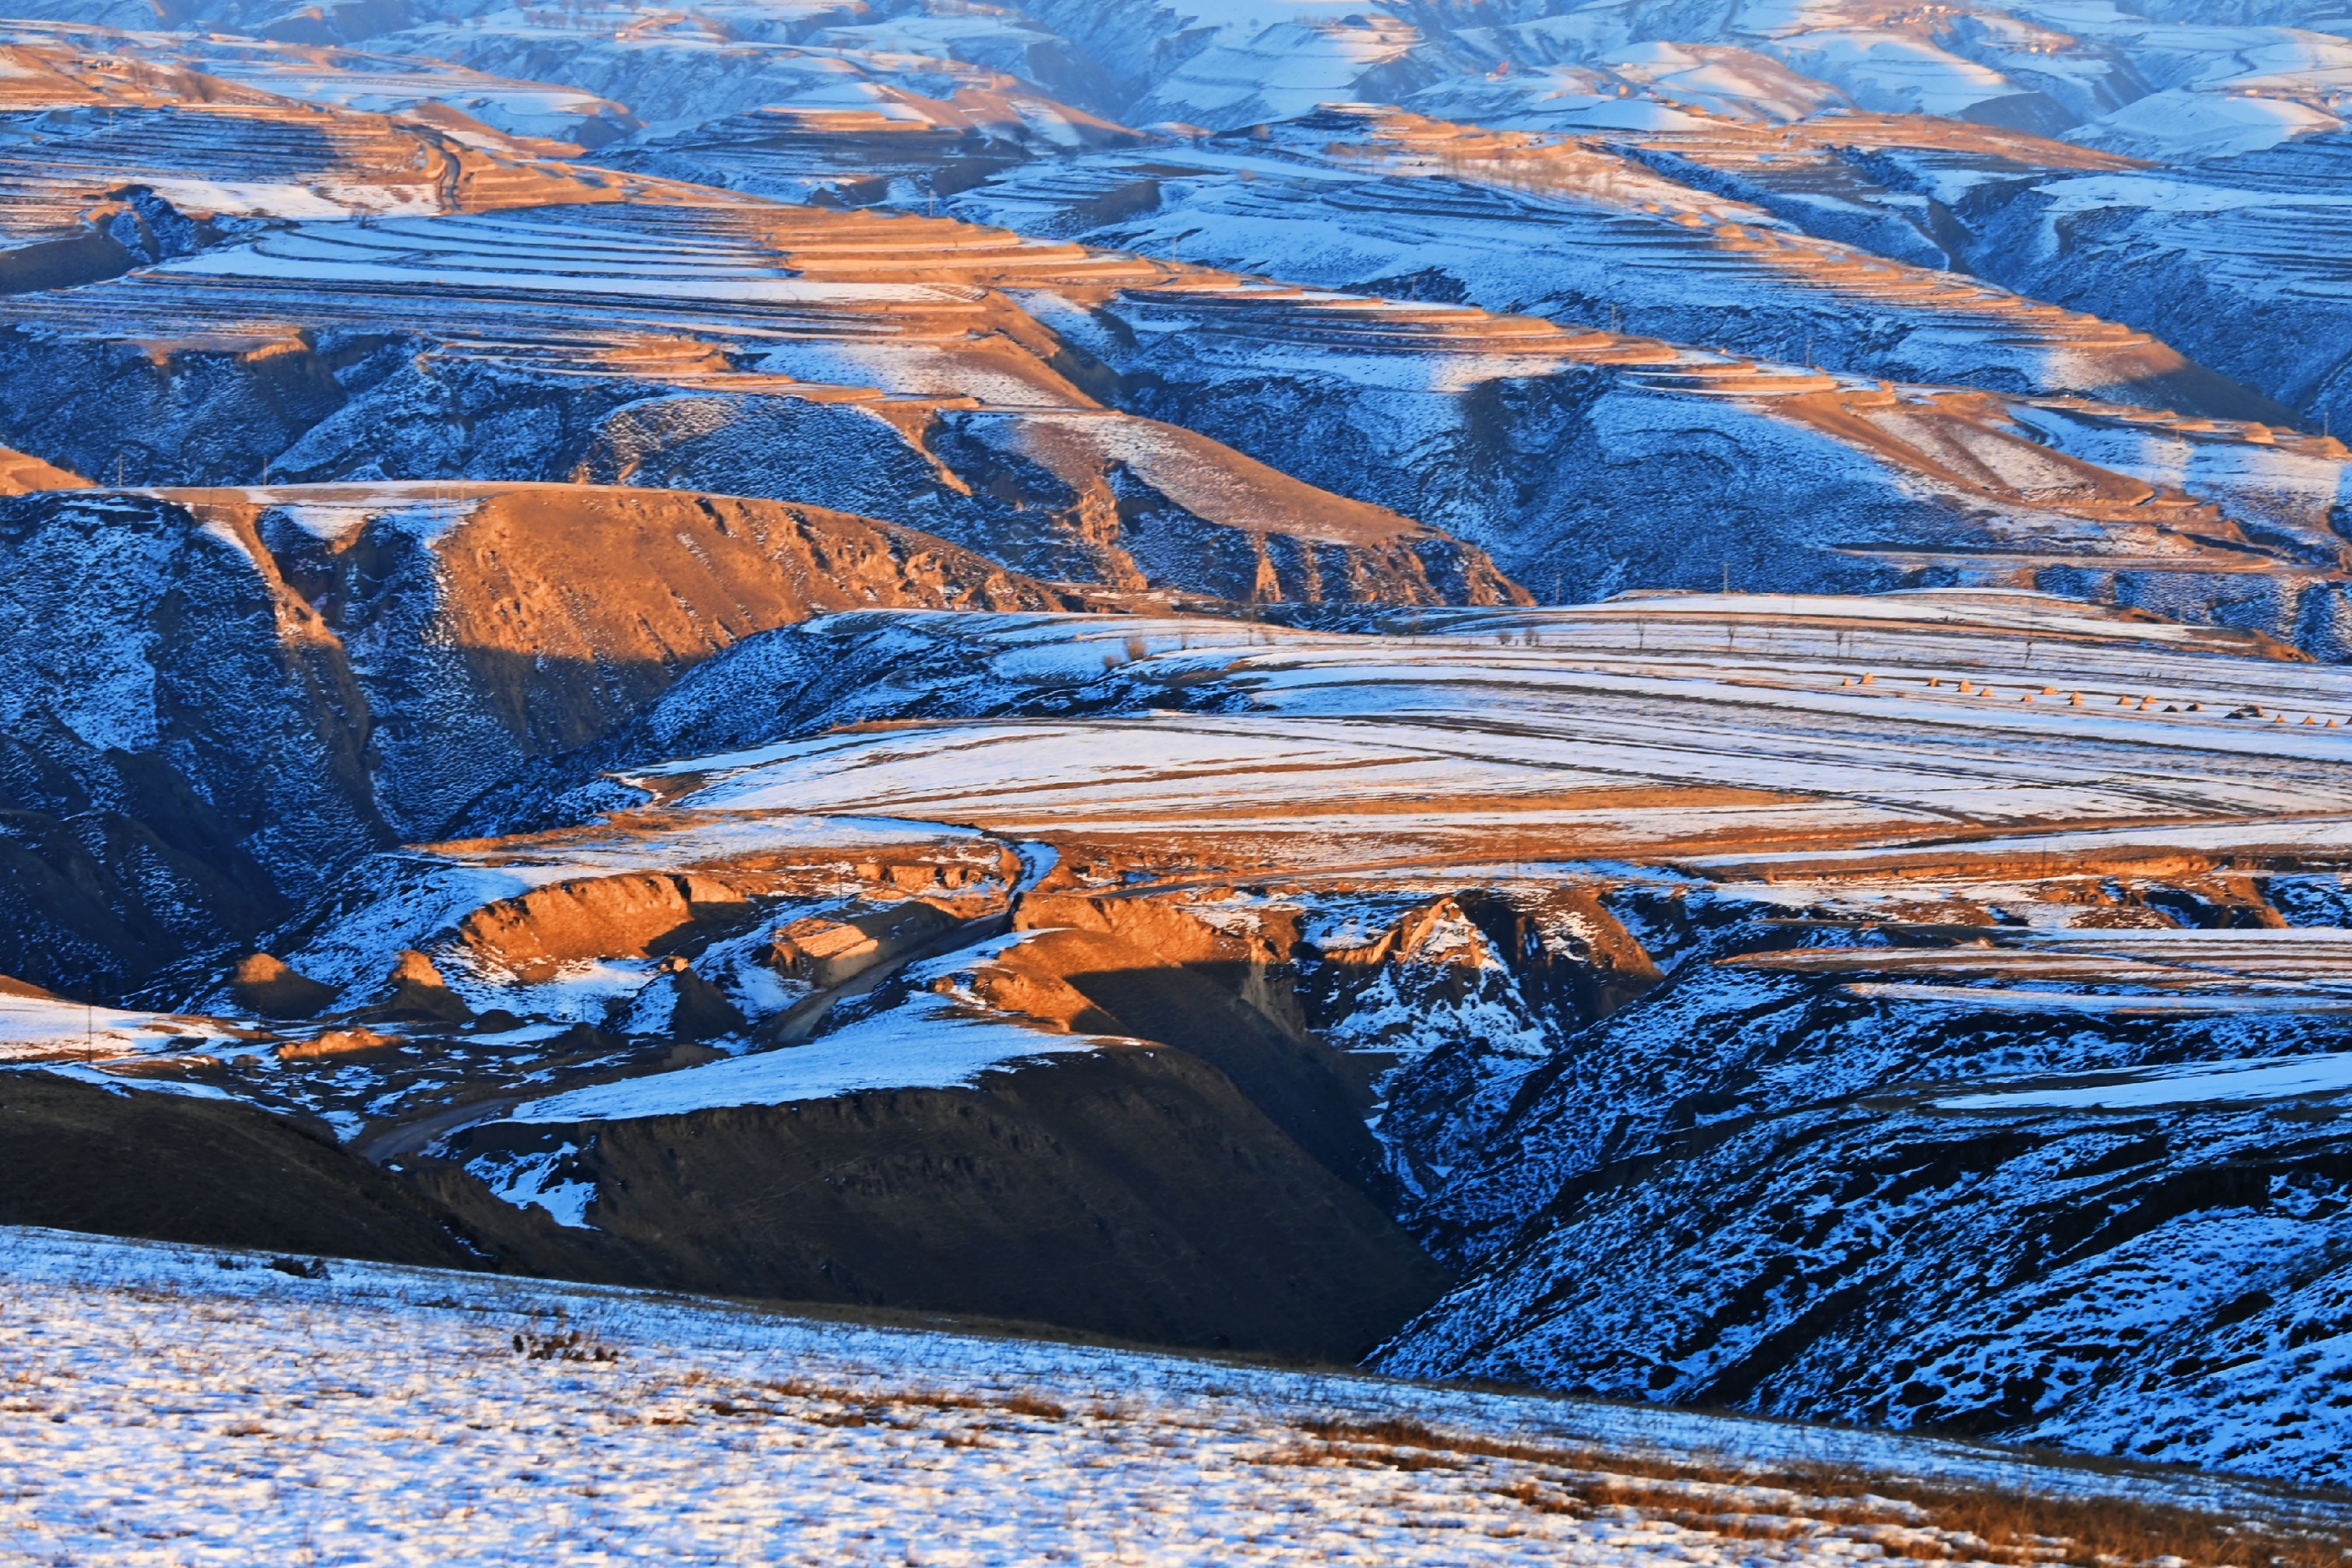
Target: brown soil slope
[[1131, 1191], [573, 605], [21, 472], [1164, 990], [76, 1156]]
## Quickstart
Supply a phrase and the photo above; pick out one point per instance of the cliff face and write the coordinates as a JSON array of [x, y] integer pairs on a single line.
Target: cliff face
[[259, 684]]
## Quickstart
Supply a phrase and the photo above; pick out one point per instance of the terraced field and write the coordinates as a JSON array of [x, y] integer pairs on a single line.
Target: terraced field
[[1610, 710], [83, 128], [1589, 233]]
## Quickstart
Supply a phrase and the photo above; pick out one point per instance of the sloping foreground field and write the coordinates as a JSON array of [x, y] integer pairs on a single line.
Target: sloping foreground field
[[182, 1406]]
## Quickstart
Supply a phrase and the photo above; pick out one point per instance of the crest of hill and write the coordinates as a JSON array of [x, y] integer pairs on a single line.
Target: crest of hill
[[476, 107]]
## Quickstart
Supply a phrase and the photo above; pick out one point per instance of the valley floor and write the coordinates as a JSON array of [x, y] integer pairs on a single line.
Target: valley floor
[[178, 1406]]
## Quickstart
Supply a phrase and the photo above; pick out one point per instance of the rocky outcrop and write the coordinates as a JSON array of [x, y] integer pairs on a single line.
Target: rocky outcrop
[[635, 915], [264, 985], [1432, 1024], [417, 992], [700, 1010], [1188, 995], [823, 951], [334, 1046], [1253, 959], [1449, 1008]]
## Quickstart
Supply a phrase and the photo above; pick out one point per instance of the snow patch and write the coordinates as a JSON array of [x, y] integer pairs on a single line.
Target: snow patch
[[2203, 1083], [530, 1181], [926, 1044]]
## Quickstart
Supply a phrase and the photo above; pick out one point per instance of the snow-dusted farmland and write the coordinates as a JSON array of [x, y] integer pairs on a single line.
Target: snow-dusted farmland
[[178, 1406]]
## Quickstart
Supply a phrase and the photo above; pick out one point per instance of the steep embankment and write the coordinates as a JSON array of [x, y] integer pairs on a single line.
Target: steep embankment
[[1125, 1189], [263, 684], [1993, 1191]]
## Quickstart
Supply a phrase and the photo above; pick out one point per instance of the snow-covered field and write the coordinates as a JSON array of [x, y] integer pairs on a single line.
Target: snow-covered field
[[177, 1405], [1631, 696]]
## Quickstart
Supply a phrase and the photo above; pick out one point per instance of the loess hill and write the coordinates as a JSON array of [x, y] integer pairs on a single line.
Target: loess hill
[[1636, 697]]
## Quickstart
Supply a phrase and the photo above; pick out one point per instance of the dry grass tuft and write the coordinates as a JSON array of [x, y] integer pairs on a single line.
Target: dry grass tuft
[[572, 1344], [1908, 1518], [861, 1408], [1532, 1495]]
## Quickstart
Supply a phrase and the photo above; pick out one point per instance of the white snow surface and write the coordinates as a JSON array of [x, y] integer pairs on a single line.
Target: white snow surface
[[170, 1405], [530, 1181], [2183, 126], [2204, 1082], [929, 1043], [1601, 697], [50, 1028]]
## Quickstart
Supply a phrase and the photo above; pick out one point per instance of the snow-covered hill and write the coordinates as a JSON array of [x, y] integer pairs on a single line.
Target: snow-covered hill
[[259, 684], [153, 1397]]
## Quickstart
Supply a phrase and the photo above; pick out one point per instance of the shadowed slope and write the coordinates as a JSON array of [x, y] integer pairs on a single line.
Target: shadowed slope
[[79, 1156]]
